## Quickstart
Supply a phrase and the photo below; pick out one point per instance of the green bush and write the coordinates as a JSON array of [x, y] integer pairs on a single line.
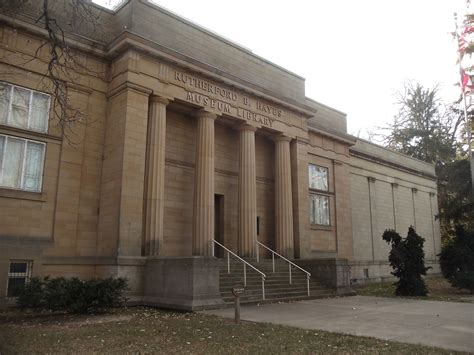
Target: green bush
[[31, 294], [457, 259], [407, 258], [72, 295]]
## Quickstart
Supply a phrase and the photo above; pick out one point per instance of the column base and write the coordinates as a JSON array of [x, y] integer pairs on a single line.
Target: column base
[[183, 283]]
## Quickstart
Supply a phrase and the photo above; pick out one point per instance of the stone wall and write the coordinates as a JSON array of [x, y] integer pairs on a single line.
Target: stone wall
[[327, 117], [62, 220], [390, 191]]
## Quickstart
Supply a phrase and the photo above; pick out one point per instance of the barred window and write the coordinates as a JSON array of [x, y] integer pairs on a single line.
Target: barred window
[[24, 108], [21, 163], [19, 273]]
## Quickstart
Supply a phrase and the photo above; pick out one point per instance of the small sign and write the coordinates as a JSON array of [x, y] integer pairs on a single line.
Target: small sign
[[237, 291]]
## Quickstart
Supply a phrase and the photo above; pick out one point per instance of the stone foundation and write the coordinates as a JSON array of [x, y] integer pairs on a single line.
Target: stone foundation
[[334, 273], [183, 283], [363, 272]]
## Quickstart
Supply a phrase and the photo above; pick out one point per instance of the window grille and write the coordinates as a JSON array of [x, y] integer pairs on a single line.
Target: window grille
[[19, 273]]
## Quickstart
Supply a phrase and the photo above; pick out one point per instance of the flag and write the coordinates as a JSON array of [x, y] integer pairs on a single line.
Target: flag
[[462, 44], [465, 38], [466, 82]]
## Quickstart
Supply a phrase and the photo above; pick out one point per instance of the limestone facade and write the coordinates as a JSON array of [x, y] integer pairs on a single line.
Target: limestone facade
[[392, 191], [187, 137]]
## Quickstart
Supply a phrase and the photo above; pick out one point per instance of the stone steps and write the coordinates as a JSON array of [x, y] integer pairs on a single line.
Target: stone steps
[[277, 286]]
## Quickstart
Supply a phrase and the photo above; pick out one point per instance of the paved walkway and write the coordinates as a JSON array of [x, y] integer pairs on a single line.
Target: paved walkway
[[446, 325]]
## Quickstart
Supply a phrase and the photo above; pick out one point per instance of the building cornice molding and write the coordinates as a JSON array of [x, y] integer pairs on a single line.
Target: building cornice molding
[[340, 137], [131, 41], [362, 155], [127, 85]]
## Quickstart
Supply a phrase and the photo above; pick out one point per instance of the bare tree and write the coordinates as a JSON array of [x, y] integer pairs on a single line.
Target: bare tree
[[57, 18]]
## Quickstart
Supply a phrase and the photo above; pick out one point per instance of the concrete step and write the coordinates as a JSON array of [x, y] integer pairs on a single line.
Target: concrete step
[[229, 302], [231, 280], [279, 291], [277, 286]]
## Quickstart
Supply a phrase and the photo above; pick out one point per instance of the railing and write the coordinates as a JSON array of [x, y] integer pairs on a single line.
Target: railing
[[245, 266], [290, 263]]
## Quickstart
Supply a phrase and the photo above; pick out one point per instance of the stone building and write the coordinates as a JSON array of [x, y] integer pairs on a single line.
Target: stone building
[[188, 142]]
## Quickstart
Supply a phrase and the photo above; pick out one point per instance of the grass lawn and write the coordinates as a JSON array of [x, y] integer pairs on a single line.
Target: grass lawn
[[439, 289], [145, 330]]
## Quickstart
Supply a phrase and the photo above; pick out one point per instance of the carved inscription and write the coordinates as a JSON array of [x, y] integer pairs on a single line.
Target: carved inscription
[[268, 109], [227, 101], [208, 102], [252, 116], [205, 86]]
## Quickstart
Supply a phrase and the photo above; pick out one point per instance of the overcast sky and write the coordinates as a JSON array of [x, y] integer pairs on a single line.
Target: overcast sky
[[354, 54]]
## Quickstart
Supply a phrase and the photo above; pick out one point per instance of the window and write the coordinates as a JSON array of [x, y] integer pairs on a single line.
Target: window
[[319, 209], [318, 177], [21, 163], [23, 108], [19, 273], [318, 202]]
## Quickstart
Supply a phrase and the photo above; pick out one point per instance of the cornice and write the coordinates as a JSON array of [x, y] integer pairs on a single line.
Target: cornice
[[128, 40], [377, 160]]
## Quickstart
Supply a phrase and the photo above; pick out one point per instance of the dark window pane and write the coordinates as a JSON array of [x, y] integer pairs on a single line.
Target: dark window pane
[[14, 284], [18, 267]]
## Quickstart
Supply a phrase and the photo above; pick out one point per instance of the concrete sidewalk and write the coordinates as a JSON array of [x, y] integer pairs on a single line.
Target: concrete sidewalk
[[446, 325]]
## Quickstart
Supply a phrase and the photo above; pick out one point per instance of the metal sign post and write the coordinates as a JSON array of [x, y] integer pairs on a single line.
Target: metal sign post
[[237, 291]]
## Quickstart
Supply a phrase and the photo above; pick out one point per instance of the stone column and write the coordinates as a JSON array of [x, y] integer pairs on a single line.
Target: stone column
[[283, 198], [247, 192], [203, 217], [155, 198]]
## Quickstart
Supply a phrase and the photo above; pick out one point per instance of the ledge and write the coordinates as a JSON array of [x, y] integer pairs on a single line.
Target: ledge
[[321, 227], [22, 195]]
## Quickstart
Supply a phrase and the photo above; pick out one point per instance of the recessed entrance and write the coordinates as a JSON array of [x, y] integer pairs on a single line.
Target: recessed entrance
[[219, 224]]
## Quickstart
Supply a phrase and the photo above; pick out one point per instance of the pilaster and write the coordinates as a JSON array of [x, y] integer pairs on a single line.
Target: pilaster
[[123, 173], [300, 185]]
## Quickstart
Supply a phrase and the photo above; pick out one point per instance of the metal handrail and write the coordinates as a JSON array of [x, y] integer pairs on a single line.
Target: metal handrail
[[245, 264], [290, 263]]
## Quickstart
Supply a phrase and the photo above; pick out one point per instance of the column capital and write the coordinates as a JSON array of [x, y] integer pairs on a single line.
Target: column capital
[[204, 113], [282, 138], [160, 99], [246, 127]]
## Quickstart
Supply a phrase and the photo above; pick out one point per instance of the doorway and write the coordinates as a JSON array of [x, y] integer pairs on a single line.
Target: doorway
[[219, 224]]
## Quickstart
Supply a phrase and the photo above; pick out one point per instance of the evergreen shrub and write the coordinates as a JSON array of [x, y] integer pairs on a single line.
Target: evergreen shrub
[[407, 258], [457, 259]]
